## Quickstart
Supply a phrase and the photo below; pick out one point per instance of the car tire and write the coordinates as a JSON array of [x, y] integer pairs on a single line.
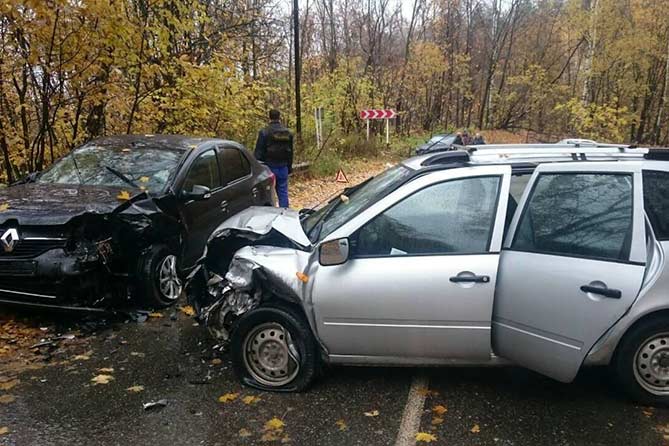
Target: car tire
[[159, 282], [274, 349], [639, 360]]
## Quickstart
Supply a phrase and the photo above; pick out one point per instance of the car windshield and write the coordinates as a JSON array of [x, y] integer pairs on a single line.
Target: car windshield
[[337, 211], [443, 139], [147, 168]]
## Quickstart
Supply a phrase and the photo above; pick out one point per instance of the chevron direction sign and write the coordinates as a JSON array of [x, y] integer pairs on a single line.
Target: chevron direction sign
[[377, 114]]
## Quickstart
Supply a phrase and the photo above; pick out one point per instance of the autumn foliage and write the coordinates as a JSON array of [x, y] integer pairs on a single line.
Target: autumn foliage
[[71, 70]]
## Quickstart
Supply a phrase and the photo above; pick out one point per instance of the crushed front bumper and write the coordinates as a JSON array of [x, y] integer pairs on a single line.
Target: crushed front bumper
[[57, 278]]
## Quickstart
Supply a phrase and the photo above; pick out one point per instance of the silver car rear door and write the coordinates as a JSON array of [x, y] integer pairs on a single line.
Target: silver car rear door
[[403, 304], [572, 264]]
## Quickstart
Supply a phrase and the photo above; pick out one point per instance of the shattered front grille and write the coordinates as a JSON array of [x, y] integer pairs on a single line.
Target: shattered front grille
[[28, 248]]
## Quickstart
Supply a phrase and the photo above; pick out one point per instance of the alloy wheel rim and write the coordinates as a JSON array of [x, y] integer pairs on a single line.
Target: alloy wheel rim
[[168, 278], [651, 364], [270, 356]]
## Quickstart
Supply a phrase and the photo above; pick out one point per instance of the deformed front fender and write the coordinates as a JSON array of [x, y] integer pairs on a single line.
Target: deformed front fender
[[256, 275]]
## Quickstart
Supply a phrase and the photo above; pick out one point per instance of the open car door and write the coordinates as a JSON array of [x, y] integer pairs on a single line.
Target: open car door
[[573, 263]]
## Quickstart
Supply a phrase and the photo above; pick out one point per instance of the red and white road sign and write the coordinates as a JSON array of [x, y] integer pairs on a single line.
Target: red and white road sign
[[378, 113]]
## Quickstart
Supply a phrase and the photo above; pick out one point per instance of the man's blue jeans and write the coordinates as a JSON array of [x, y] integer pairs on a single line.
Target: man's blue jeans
[[281, 174]]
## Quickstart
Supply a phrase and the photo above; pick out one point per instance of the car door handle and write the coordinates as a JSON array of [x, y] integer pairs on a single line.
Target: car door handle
[[606, 292], [224, 205], [475, 279]]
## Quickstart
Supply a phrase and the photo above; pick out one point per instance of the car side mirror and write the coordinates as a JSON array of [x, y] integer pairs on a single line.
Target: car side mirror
[[334, 252], [197, 192]]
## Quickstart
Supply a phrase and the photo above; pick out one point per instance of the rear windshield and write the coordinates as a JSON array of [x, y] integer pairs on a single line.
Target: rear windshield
[[149, 169]]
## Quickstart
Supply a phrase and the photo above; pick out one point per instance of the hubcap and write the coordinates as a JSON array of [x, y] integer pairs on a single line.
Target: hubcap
[[168, 279], [270, 355], [652, 364]]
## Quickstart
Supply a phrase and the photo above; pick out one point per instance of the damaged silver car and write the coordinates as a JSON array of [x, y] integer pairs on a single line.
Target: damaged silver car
[[550, 257]]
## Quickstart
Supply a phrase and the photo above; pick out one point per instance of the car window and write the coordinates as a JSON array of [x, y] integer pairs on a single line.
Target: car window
[[234, 165], [451, 217], [582, 214], [203, 172], [656, 201]]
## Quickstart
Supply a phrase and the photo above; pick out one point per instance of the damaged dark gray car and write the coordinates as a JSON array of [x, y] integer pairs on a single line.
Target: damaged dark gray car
[[120, 219]]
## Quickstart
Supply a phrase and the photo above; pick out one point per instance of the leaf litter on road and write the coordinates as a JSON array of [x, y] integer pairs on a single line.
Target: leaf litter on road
[[102, 379], [135, 389], [6, 399], [475, 429], [425, 437], [273, 430], [341, 424], [228, 397], [250, 399], [440, 409]]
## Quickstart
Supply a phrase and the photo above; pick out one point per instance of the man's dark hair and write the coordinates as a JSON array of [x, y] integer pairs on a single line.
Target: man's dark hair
[[274, 115]]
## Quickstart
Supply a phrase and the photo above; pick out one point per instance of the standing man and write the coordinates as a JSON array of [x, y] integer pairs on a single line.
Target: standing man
[[274, 147]]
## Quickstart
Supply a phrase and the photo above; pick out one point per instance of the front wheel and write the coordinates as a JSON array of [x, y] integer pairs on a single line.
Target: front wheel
[[273, 349], [160, 285], [641, 363]]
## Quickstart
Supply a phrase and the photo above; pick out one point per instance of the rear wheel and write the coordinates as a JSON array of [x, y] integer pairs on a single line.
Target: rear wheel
[[642, 362], [160, 285], [273, 349]]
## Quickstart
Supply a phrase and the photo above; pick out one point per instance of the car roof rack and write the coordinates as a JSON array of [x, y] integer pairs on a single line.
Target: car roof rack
[[524, 153], [533, 154]]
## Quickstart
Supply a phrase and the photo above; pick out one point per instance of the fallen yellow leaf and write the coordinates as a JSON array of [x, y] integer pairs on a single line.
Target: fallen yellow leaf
[[216, 361], [341, 424], [4, 430], [144, 179], [425, 437], [102, 379], [123, 195], [156, 314], [250, 399], [187, 310], [373, 413], [6, 399], [106, 370], [476, 429], [648, 413], [227, 397], [274, 424], [9, 384], [424, 391], [135, 389], [244, 433], [81, 358], [4, 207], [437, 421], [439, 409]]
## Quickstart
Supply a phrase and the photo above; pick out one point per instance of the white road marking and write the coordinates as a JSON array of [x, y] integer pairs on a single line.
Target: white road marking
[[413, 411]]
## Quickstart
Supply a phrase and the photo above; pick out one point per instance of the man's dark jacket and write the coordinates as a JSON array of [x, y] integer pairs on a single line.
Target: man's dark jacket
[[275, 146]]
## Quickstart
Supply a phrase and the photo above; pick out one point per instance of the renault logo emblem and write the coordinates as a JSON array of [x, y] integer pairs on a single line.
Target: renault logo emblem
[[9, 239]]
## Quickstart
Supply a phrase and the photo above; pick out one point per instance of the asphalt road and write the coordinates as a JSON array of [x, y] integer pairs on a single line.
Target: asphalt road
[[174, 360]]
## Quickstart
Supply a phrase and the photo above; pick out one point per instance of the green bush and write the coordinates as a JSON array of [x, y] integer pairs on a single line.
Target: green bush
[[328, 163]]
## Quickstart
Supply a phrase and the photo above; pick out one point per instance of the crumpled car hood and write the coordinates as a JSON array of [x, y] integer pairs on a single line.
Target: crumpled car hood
[[260, 220], [54, 204]]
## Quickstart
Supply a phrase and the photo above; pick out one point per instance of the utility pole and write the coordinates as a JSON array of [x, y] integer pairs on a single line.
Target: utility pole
[[298, 70]]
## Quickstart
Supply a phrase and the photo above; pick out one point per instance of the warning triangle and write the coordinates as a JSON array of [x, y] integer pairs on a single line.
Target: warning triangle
[[341, 177]]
